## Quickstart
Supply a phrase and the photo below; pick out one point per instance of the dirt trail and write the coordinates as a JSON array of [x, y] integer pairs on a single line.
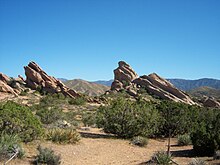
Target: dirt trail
[[99, 149]]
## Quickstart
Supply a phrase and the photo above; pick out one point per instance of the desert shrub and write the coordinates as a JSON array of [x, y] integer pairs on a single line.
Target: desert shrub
[[18, 119], [89, 119], [184, 140], [77, 101], [196, 161], [176, 118], [50, 115], [206, 136], [217, 155], [161, 158], [63, 136], [9, 145], [70, 117], [24, 92], [127, 118], [139, 141], [47, 156]]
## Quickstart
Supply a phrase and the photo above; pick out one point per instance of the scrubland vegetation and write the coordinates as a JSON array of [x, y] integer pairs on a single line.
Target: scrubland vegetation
[[137, 120]]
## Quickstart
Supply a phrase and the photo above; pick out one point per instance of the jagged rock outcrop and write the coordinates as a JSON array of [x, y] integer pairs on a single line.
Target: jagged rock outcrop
[[36, 78], [124, 75], [210, 102], [11, 85], [127, 79]]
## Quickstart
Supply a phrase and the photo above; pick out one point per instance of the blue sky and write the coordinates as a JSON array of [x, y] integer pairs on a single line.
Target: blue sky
[[86, 38]]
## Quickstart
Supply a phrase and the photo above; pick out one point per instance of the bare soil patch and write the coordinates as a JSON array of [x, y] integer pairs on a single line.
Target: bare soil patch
[[97, 148]]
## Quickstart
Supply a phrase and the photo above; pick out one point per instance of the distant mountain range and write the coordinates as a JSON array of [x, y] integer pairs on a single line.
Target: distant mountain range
[[187, 85], [103, 82], [204, 86]]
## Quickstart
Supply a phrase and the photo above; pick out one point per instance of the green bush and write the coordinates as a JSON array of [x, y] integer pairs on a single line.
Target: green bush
[[196, 161], [9, 145], [89, 119], [63, 136], [161, 158], [184, 140], [206, 136], [77, 101], [139, 141], [47, 156], [217, 155], [50, 115], [18, 119], [176, 117], [127, 118]]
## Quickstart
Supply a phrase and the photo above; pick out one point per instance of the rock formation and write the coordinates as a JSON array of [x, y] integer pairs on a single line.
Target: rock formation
[[11, 85], [210, 102], [124, 75], [127, 79], [36, 78]]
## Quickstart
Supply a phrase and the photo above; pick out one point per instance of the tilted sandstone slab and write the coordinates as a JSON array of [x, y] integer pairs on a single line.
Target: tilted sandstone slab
[[210, 102], [126, 77], [124, 74], [11, 85], [37, 78]]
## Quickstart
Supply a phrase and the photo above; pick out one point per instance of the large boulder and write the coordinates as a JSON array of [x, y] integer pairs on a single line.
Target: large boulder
[[36, 78], [126, 77]]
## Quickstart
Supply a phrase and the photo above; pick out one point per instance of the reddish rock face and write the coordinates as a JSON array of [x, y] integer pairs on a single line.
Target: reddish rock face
[[211, 102], [124, 74], [4, 87], [37, 78], [126, 77], [4, 78]]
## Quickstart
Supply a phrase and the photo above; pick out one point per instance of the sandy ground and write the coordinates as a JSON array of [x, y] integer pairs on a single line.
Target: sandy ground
[[96, 148]]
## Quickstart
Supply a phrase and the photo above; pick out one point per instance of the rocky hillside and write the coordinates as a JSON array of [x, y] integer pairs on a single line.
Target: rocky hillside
[[85, 87], [127, 79], [187, 85], [205, 91]]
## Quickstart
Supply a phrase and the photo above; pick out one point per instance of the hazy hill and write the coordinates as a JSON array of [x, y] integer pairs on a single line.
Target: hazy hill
[[207, 91], [89, 88], [103, 82], [62, 79], [187, 85]]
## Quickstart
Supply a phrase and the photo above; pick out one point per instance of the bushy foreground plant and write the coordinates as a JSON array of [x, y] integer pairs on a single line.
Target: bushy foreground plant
[[127, 118], [10, 145], [217, 155], [206, 136], [176, 118], [47, 156], [161, 158], [63, 136], [184, 140], [50, 115], [19, 120], [139, 141], [196, 161]]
